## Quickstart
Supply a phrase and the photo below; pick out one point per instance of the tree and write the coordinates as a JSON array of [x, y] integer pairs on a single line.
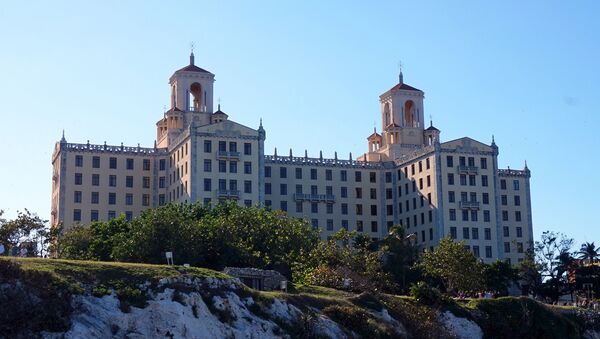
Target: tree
[[529, 274], [499, 276], [400, 256], [24, 228], [589, 252], [553, 257], [455, 266]]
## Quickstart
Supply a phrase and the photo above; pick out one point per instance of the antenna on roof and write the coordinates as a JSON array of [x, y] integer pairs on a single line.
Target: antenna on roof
[[400, 76], [192, 53], [219, 104]]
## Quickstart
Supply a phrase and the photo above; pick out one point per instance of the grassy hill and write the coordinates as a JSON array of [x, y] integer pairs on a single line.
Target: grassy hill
[[38, 292]]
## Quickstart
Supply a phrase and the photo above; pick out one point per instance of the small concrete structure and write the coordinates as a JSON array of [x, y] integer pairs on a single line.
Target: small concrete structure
[[264, 280]]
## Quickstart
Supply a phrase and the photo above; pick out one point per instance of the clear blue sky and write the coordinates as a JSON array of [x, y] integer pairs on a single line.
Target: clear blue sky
[[526, 72]]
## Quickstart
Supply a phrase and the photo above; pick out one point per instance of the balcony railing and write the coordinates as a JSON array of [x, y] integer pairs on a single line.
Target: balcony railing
[[235, 194], [201, 108], [468, 169], [228, 155], [314, 197], [469, 205]]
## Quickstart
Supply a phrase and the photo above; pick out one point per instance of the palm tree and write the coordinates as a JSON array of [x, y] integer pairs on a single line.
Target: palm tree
[[589, 252]]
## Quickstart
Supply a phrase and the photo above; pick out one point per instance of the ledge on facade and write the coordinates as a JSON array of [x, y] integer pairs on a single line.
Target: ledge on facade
[[228, 155], [513, 173], [113, 149], [471, 205], [418, 152], [314, 197], [321, 162], [468, 169]]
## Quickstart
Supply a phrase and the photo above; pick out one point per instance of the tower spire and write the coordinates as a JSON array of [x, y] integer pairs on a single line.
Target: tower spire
[[400, 76], [192, 53]]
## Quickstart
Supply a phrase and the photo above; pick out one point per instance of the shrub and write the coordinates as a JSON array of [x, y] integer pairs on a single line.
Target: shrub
[[425, 294]]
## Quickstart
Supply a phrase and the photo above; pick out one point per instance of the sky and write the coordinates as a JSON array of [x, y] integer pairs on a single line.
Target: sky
[[525, 72]]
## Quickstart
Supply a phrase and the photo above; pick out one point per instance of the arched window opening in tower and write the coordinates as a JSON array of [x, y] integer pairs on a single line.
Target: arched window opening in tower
[[409, 114], [195, 97]]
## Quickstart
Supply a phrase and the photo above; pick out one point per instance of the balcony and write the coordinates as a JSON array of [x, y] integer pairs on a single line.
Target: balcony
[[468, 169], [228, 155], [314, 197], [228, 194], [469, 205]]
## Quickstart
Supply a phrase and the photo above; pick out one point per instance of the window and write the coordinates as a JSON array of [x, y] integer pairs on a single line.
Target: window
[[247, 186], [328, 175], [483, 163], [504, 200], [95, 198], [283, 206], [232, 167], [77, 197], [79, 161], [517, 215], [358, 191], [519, 247], [344, 192], [95, 179], [146, 164], [207, 165], [298, 173], [268, 203], [357, 176], [328, 190], [314, 189], [78, 178], [516, 185], [420, 183], [452, 214], [389, 209], [473, 215], [487, 233], [506, 247], [94, 215], [162, 200], [451, 197], [298, 206], [162, 164], [146, 182], [373, 226], [314, 223], [247, 203], [517, 200], [112, 198], [314, 207], [488, 251], [329, 224], [484, 180], [476, 251], [358, 209], [247, 148], [373, 209], [472, 180], [222, 166], [450, 179], [372, 177], [506, 231], [268, 188], [282, 172], [519, 232], [502, 184], [486, 198], [298, 189], [344, 209], [222, 146], [388, 177], [128, 181], [420, 166], [129, 163], [283, 189], [76, 215], [128, 199], [453, 232], [475, 233], [207, 146], [112, 163], [267, 171], [412, 169], [128, 215], [465, 233], [313, 174], [146, 199], [207, 185], [373, 193], [389, 194], [329, 208], [465, 215], [232, 146], [345, 224], [486, 216], [449, 161], [95, 162], [504, 215], [343, 175], [222, 184], [162, 182]]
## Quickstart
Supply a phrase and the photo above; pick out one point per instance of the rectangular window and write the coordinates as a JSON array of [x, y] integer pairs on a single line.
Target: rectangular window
[[451, 196], [95, 198], [298, 173], [373, 193], [79, 161], [95, 162], [328, 175], [388, 177], [282, 172], [420, 183], [247, 186], [452, 214], [358, 191], [488, 251], [247, 148], [472, 180], [314, 189], [449, 161], [389, 209], [207, 146], [506, 231], [222, 146], [128, 181], [283, 189], [112, 198], [162, 182], [313, 174], [359, 209], [517, 200], [486, 216], [506, 247], [412, 169], [343, 175], [162, 200], [207, 185], [129, 163], [345, 224], [77, 197], [485, 198], [344, 192], [487, 232], [517, 215], [484, 180], [314, 223], [374, 226], [95, 179], [162, 164], [232, 167], [329, 208], [222, 184], [372, 177], [314, 207], [78, 179], [344, 209], [504, 215], [298, 206], [76, 215], [222, 166], [146, 199], [466, 234], [94, 215], [465, 215], [146, 182], [207, 165], [248, 203], [483, 163], [450, 179], [462, 161], [357, 176], [473, 215], [519, 232], [283, 206], [504, 200], [128, 215], [453, 232], [476, 251], [267, 171], [502, 184], [268, 188], [475, 233], [516, 185], [373, 209], [232, 146], [329, 224], [519, 247], [298, 189], [146, 164], [128, 199], [112, 163], [359, 225]]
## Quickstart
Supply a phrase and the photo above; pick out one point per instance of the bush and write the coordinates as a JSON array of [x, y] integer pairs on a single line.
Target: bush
[[425, 294], [358, 321]]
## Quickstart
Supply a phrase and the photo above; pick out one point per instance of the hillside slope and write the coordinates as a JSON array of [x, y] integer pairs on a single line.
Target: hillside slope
[[74, 299]]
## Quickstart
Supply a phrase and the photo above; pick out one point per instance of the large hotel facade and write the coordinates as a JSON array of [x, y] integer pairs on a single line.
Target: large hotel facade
[[407, 176]]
